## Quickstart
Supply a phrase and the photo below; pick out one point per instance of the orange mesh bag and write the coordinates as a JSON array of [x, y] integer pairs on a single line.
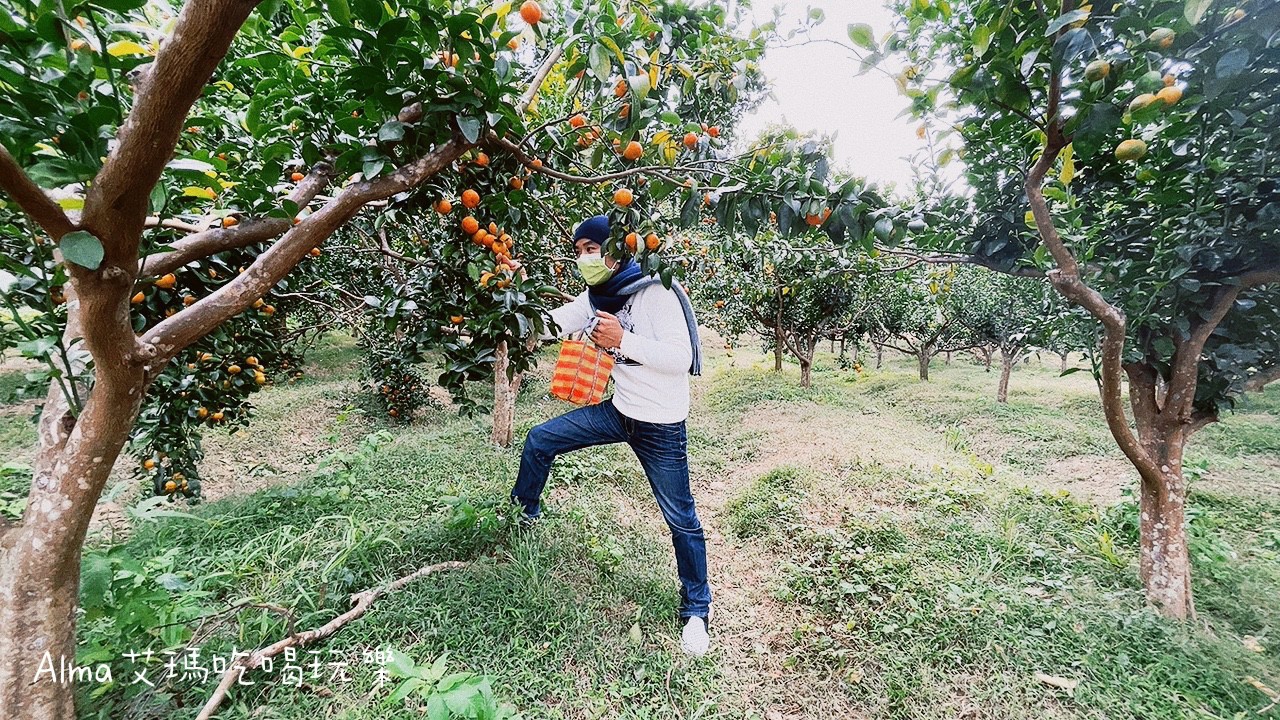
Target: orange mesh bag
[[582, 373]]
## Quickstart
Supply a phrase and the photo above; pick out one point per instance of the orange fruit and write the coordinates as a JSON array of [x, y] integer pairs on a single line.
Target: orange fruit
[[625, 111], [719, 303], [632, 241], [531, 12], [188, 299], [633, 151], [251, 360], [443, 206], [149, 464], [514, 43], [256, 304], [456, 319], [479, 236], [217, 417], [269, 310], [470, 199], [623, 197], [260, 377], [482, 160], [297, 176], [202, 413], [620, 90], [138, 298], [170, 486], [234, 369], [517, 183], [1169, 80], [78, 44], [577, 121], [470, 225], [167, 281], [314, 252], [690, 140], [230, 221], [1170, 94], [535, 163], [652, 241], [713, 131]]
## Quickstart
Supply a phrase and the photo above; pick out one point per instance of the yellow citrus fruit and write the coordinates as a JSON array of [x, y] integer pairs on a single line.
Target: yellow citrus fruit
[[1131, 150]]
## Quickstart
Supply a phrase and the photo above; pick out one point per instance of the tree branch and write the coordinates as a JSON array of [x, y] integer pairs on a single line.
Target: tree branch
[[175, 333], [216, 240], [532, 91], [361, 602], [116, 204], [34, 202], [1185, 369]]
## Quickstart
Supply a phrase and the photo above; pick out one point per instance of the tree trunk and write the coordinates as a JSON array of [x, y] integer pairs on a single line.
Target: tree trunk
[[1007, 361], [1165, 565], [922, 359], [40, 565], [1063, 366], [879, 355], [505, 392], [777, 331], [986, 356], [948, 362]]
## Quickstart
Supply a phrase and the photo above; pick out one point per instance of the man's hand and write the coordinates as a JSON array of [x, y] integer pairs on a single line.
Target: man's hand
[[608, 332], [518, 268]]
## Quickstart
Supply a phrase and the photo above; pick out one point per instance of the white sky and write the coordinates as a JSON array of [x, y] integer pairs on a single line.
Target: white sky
[[816, 87]]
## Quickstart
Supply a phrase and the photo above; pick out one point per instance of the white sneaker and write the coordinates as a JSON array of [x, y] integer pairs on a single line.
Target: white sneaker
[[694, 639]]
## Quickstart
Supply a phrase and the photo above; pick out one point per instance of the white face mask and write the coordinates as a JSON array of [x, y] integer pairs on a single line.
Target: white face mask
[[593, 268]]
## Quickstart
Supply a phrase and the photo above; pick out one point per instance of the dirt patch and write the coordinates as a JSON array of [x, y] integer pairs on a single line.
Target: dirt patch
[[1098, 479]]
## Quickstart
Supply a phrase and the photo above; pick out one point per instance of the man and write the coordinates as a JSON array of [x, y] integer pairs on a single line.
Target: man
[[652, 334]]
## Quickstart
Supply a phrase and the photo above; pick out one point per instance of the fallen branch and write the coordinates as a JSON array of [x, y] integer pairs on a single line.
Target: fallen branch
[[361, 602]]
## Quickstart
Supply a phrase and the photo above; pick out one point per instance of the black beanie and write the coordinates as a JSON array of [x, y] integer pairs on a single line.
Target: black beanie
[[595, 229]]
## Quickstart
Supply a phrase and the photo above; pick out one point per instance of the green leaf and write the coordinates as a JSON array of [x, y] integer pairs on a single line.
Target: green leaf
[[470, 128], [1195, 9], [392, 131], [598, 57], [1066, 19], [1232, 63], [82, 248], [340, 11], [981, 40], [863, 36]]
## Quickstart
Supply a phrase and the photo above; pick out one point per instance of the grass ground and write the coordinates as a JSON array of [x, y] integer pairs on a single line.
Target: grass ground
[[879, 548]]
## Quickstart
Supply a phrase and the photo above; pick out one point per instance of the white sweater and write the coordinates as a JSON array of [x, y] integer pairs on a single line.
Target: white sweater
[[651, 375]]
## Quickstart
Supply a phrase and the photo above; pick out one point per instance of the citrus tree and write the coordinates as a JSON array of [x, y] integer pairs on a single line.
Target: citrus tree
[[124, 123], [1012, 315], [793, 295], [1139, 139], [921, 311]]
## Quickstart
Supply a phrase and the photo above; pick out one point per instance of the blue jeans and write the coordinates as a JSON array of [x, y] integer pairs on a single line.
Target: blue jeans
[[662, 450]]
